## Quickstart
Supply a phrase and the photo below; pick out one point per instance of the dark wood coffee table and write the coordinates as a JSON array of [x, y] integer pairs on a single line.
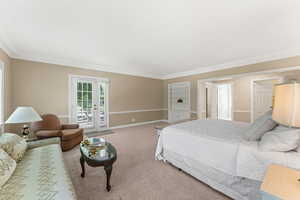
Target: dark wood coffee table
[[105, 157]]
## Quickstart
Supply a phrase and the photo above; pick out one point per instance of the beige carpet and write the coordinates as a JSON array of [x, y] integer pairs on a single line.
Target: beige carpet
[[136, 174]]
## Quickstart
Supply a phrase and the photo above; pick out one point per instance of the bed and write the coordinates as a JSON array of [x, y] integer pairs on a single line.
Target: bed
[[215, 152]]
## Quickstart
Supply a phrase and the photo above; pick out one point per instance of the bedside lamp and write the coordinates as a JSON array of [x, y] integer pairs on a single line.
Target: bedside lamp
[[286, 109], [23, 114]]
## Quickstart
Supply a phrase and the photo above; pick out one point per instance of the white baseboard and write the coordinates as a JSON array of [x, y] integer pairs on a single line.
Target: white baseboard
[[136, 124]]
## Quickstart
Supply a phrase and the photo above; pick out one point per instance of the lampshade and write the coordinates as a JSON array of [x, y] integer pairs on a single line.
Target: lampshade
[[286, 109], [24, 114]]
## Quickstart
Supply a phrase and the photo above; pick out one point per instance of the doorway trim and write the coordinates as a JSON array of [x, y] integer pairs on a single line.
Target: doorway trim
[[169, 97], [279, 78], [100, 79]]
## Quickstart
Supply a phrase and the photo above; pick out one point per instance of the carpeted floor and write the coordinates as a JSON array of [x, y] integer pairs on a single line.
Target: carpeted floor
[[136, 174]]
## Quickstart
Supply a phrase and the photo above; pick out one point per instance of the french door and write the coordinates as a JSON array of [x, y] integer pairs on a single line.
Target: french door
[[89, 102]]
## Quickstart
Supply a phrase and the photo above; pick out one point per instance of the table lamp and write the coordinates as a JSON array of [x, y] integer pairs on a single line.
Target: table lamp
[[286, 109], [23, 114]]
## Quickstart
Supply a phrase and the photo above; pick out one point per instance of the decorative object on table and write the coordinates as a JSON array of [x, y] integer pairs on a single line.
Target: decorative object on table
[[94, 144], [287, 104], [280, 183], [24, 114], [105, 156], [70, 134]]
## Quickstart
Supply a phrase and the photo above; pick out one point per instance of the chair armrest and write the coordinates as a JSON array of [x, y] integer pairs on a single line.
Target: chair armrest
[[48, 133], [42, 142], [69, 126]]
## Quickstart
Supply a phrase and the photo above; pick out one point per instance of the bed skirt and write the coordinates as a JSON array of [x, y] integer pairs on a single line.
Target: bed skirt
[[232, 186]]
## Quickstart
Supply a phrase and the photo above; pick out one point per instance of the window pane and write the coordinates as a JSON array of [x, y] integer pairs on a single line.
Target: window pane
[[90, 87], [90, 105], [79, 86], [79, 96], [90, 96], [85, 105], [85, 96], [85, 87]]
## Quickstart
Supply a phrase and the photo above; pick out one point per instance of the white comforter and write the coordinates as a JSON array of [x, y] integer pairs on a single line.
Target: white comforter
[[219, 144]]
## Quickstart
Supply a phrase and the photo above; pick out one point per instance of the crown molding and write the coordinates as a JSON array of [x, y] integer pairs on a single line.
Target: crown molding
[[98, 67], [84, 65], [237, 63]]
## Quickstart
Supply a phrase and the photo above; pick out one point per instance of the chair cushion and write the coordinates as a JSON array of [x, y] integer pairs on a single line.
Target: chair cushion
[[40, 175], [14, 145], [7, 167], [69, 134], [48, 133]]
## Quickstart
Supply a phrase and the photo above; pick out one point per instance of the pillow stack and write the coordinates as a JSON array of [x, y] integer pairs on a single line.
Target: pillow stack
[[12, 148]]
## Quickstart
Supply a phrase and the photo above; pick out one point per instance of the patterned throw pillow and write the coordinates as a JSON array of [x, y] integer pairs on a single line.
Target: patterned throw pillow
[[14, 145], [7, 167]]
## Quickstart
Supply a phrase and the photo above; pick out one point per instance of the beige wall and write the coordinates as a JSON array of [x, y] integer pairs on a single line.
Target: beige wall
[[244, 102], [45, 87], [7, 83]]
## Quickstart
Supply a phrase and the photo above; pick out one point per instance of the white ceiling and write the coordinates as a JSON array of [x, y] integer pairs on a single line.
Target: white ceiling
[[152, 38]]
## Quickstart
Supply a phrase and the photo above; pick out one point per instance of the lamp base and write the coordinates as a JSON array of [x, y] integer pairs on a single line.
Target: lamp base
[[25, 131]]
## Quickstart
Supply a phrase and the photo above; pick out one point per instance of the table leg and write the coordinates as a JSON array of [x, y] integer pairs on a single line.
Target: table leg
[[108, 170], [82, 166]]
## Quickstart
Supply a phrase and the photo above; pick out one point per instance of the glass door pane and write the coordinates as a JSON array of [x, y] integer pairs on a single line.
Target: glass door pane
[[84, 111], [102, 105]]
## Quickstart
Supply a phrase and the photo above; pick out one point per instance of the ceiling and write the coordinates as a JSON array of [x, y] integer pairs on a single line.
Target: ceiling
[[152, 38]]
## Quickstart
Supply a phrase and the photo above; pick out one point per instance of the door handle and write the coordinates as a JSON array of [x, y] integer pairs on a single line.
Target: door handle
[[95, 107]]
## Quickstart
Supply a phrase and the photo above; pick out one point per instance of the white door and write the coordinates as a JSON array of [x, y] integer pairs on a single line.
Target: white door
[[224, 93], [179, 101], [262, 97], [88, 101]]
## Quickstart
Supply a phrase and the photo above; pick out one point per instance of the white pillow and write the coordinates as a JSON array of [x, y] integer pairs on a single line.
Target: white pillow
[[14, 145], [259, 127], [7, 167], [280, 141]]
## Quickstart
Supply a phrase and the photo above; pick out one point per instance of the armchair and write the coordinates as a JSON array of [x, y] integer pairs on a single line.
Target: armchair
[[70, 134]]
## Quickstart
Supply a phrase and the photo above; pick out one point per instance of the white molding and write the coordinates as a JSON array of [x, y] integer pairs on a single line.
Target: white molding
[[136, 124], [263, 72], [135, 111], [237, 63], [10, 50], [84, 65]]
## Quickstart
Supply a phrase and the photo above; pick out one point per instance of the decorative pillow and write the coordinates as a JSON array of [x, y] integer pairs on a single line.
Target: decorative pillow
[[280, 141], [14, 145], [7, 167], [260, 126]]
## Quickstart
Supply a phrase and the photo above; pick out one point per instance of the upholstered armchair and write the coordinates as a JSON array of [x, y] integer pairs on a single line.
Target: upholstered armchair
[[70, 134]]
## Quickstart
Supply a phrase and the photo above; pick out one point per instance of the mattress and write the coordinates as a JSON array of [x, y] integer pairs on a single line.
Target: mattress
[[212, 142]]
